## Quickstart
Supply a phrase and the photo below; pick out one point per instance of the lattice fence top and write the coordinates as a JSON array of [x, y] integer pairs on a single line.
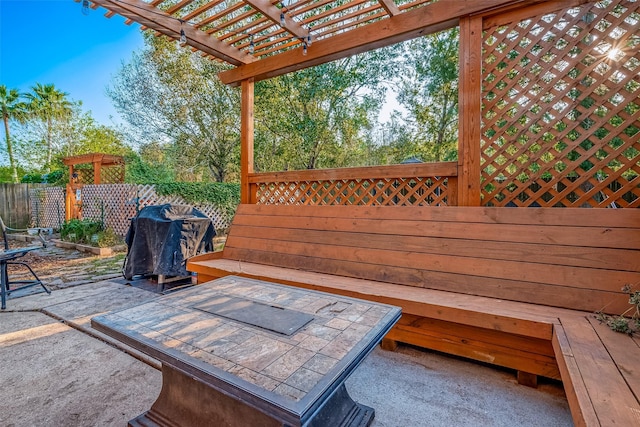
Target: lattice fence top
[[115, 204], [561, 109], [147, 196], [47, 207], [385, 191]]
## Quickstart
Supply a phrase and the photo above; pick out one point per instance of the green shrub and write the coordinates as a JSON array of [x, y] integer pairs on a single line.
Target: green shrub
[[108, 238], [80, 231]]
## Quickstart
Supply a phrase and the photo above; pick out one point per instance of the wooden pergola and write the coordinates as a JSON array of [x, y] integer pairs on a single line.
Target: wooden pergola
[[500, 162], [549, 117], [102, 169]]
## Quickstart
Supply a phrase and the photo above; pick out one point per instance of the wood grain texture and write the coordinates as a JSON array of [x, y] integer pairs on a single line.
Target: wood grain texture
[[510, 287]]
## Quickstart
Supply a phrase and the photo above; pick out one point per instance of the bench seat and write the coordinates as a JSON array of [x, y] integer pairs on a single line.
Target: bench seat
[[510, 287]]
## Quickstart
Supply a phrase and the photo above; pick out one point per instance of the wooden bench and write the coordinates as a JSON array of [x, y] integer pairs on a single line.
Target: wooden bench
[[507, 286]]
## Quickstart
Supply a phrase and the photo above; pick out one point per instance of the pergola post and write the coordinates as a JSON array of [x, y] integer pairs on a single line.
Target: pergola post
[[70, 197], [246, 140], [469, 107], [97, 171]]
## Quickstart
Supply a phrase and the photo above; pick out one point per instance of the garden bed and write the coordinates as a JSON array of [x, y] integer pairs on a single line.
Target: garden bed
[[106, 251]]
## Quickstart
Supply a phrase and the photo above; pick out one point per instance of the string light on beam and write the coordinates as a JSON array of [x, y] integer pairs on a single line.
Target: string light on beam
[[283, 22], [85, 7], [304, 48], [183, 36], [252, 46]]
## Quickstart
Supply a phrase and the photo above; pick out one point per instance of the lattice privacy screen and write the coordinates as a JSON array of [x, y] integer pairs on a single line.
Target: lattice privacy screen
[[112, 174], [561, 109], [115, 204], [47, 207], [396, 192]]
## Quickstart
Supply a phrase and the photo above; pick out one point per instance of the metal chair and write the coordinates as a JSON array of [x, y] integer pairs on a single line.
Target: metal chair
[[7, 257]]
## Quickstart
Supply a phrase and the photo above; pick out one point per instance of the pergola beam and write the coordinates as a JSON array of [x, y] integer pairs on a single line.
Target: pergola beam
[[414, 23], [273, 13], [147, 15], [391, 8]]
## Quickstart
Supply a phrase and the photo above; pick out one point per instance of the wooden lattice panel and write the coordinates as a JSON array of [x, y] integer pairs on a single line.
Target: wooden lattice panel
[[147, 196], [83, 174], [398, 192], [121, 202], [112, 174], [47, 207], [561, 109], [114, 204]]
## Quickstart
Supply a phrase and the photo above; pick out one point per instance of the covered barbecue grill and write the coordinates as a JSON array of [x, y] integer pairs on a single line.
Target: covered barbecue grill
[[161, 238]]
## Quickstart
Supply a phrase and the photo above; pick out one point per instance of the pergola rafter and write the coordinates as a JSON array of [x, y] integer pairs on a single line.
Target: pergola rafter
[[149, 16], [547, 90], [250, 34]]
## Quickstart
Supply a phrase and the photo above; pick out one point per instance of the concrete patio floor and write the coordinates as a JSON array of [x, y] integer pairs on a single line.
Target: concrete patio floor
[[57, 371]]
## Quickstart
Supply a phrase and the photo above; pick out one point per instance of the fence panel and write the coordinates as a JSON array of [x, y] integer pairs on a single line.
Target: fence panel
[[47, 206], [15, 204], [116, 204]]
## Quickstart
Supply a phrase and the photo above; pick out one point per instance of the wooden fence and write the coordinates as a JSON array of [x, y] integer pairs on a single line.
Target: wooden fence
[[14, 204]]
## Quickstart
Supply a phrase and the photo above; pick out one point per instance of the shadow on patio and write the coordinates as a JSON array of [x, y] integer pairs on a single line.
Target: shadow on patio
[[61, 372]]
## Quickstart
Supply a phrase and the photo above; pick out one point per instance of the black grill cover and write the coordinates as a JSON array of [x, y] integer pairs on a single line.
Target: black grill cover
[[161, 238]]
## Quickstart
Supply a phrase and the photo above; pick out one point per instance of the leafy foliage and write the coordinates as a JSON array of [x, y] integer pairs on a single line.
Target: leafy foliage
[[225, 196], [621, 323], [51, 106], [173, 99], [89, 232], [11, 108], [429, 91], [320, 116], [80, 231], [54, 177]]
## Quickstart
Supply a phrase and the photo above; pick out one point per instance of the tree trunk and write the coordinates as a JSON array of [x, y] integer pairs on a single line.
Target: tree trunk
[[14, 169], [49, 149]]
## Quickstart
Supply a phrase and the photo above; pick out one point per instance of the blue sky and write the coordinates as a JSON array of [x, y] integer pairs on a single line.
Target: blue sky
[[51, 41]]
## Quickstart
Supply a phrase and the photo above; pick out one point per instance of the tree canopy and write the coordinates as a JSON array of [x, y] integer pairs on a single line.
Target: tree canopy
[[182, 123]]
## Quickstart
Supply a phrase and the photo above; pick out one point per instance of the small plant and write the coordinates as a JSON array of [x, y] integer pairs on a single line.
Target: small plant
[[621, 323], [79, 231], [108, 238]]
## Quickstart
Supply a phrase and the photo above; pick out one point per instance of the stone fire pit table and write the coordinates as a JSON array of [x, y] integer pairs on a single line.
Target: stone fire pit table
[[243, 352]]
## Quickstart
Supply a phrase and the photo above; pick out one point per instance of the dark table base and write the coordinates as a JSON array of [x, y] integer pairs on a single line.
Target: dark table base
[[187, 402]]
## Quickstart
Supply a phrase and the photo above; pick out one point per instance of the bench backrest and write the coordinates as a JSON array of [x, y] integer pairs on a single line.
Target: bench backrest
[[562, 257]]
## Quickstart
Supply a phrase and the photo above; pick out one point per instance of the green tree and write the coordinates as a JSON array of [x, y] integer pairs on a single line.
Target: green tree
[[12, 108], [429, 91], [49, 105], [172, 97], [319, 117]]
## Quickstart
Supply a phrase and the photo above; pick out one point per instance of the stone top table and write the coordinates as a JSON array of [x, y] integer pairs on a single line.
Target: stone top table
[[243, 352]]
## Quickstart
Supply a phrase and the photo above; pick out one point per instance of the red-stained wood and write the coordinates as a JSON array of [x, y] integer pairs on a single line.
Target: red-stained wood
[[582, 411], [469, 106], [246, 139], [613, 402], [510, 287]]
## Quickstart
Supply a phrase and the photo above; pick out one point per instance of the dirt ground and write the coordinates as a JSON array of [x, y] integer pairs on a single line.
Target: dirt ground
[[60, 268]]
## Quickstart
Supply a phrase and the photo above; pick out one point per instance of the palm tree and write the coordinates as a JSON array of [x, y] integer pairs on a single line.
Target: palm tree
[[11, 108], [49, 105]]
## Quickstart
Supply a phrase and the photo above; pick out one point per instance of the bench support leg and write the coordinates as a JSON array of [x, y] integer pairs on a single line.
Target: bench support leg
[[525, 378], [388, 344]]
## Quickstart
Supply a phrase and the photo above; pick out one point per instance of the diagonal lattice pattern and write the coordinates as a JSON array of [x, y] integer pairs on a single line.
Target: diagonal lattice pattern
[[394, 192], [561, 109]]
